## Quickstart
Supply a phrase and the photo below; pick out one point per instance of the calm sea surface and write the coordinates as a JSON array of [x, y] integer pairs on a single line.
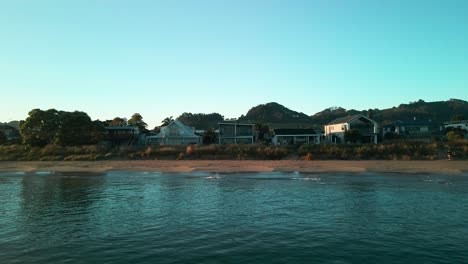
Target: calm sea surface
[[137, 217]]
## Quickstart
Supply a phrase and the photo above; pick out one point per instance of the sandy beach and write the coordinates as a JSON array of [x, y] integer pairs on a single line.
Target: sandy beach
[[439, 166]]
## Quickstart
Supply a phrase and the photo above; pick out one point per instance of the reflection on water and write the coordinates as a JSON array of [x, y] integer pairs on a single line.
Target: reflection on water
[[145, 217]]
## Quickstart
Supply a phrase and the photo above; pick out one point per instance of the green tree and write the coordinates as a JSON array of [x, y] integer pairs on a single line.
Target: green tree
[[262, 130], [166, 121], [210, 137], [118, 121], [137, 120], [453, 136], [76, 128], [97, 132], [200, 121], [60, 127], [40, 127]]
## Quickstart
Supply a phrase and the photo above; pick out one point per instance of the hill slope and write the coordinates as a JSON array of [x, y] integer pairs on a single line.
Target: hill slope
[[438, 112], [276, 115]]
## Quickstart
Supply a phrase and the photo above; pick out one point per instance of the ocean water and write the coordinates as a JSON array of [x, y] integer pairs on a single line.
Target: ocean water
[[147, 217]]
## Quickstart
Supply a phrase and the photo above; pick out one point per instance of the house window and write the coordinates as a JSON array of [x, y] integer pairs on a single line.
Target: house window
[[174, 131], [227, 131]]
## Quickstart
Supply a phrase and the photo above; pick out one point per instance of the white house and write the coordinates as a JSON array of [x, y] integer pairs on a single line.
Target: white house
[[462, 124], [288, 136], [175, 133], [336, 129]]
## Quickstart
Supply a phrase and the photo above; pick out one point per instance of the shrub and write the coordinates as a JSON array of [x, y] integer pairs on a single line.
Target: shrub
[[181, 156], [453, 136], [189, 150], [53, 150]]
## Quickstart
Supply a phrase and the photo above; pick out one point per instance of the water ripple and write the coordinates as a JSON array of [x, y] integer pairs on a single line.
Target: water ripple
[[147, 217]]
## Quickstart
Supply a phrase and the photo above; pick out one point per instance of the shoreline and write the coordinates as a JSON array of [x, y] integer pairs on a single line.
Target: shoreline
[[241, 166]]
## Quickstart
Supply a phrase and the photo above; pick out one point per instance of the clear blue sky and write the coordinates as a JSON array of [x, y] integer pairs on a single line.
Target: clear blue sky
[[161, 58]]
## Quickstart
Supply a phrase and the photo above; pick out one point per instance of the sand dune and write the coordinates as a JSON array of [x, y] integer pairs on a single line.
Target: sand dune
[[439, 166]]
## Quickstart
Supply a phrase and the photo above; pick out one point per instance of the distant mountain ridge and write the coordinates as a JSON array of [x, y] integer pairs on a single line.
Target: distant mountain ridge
[[437, 112], [274, 113], [277, 115]]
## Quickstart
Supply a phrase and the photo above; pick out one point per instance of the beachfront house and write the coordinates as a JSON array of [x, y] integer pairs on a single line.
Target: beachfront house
[[461, 124], [231, 132], [335, 131], [295, 136], [122, 135], [412, 130], [11, 133], [175, 133]]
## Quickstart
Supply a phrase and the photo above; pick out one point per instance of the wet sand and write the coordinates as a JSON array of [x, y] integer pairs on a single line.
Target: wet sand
[[438, 166]]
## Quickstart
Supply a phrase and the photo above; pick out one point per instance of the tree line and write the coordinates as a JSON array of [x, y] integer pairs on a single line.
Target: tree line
[[44, 127]]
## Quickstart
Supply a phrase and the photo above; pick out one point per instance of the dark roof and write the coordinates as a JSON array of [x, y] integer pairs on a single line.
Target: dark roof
[[412, 123], [342, 120], [234, 123], [294, 131], [456, 122], [348, 119], [121, 127]]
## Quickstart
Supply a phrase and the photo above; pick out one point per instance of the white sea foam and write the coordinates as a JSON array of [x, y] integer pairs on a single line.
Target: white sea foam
[[213, 177], [44, 172], [307, 179]]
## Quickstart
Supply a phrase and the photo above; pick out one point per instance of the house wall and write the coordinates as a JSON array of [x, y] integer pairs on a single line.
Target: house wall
[[122, 135], [172, 141], [335, 133], [296, 139], [9, 134], [335, 128], [364, 129], [235, 133]]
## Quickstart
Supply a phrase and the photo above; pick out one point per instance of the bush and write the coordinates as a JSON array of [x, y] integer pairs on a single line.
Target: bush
[[453, 136], [308, 156], [181, 156], [53, 150]]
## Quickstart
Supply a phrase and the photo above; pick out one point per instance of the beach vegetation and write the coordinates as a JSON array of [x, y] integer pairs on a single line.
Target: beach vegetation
[[388, 151], [181, 156], [454, 135]]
